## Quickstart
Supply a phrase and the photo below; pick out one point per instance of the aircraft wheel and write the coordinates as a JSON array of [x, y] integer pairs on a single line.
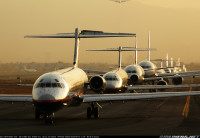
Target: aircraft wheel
[[154, 90], [49, 118], [37, 114], [96, 112], [46, 119], [89, 112]]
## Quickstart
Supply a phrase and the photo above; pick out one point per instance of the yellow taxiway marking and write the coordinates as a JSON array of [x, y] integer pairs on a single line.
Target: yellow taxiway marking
[[187, 104], [186, 107]]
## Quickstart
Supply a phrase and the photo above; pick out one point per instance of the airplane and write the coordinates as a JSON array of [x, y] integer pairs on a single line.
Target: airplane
[[135, 72], [114, 84], [168, 69], [54, 90], [148, 66], [151, 73], [115, 80], [120, 1], [29, 70]]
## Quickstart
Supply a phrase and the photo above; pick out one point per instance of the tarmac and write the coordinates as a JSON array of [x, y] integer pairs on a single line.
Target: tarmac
[[149, 117]]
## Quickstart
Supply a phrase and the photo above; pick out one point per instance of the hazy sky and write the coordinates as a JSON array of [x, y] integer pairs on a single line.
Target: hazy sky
[[174, 27]]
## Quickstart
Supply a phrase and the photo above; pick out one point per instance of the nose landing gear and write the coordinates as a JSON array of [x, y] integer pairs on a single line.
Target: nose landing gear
[[49, 118]]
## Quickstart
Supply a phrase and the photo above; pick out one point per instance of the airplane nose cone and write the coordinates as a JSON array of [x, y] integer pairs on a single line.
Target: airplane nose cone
[[47, 97]]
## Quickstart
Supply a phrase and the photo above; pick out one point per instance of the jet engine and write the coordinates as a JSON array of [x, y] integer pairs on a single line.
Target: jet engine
[[177, 80], [135, 79], [97, 83], [161, 82]]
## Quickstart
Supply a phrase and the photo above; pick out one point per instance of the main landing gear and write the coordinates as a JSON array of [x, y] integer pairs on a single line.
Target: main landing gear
[[92, 111], [152, 90]]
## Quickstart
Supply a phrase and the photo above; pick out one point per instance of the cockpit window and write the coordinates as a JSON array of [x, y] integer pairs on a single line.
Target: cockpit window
[[56, 80], [59, 85], [129, 71], [42, 85], [48, 84], [53, 85], [63, 86], [111, 78], [146, 67]]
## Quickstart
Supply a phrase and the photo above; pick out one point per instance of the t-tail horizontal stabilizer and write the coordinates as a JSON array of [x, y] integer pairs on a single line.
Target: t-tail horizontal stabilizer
[[123, 49], [83, 34]]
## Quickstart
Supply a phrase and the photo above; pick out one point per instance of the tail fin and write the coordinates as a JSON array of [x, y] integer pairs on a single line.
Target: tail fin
[[172, 64], [136, 52], [76, 48], [167, 60], [120, 57], [178, 62]]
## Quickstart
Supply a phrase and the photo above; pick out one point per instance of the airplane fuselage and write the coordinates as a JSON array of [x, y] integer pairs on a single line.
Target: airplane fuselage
[[53, 90], [149, 68], [115, 80], [134, 70]]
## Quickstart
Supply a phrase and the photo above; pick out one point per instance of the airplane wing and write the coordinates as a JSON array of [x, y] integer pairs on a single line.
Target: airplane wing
[[25, 85], [170, 77], [191, 73], [95, 71], [132, 96], [16, 98], [113, 97], [147, 87]]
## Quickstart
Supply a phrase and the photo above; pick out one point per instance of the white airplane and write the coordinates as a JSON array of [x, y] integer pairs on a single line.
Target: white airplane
[[151, 73], [65, 87], [148, 66], [115, 80], [168, 69], [120, 1], [29, 70]]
